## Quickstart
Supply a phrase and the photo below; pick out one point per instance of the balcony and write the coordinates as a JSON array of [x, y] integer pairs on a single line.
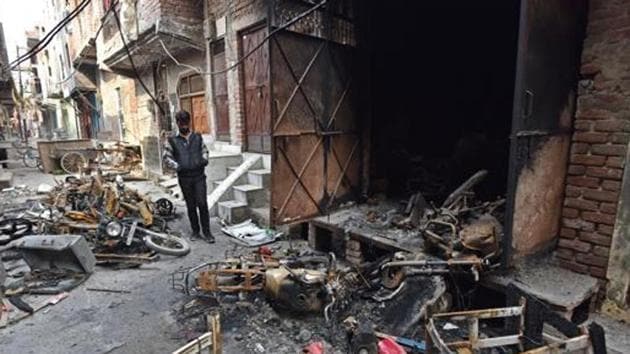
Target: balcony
[[179, 24]]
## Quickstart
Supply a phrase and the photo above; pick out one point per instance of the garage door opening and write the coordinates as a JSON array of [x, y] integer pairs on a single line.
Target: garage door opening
[[442, 94]]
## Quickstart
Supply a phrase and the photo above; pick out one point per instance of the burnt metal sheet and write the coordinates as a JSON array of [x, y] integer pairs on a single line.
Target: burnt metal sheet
[[550, 38], [317, 150], [256, 91]]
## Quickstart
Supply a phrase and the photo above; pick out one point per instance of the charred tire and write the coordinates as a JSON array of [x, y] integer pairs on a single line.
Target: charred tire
[[166, 244]]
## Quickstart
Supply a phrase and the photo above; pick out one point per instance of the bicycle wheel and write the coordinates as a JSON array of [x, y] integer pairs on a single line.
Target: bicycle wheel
[[30, 158], [73, 162]]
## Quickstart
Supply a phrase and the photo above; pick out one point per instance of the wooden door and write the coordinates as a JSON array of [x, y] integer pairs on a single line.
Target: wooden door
[[199, 115], [550, 37], [192, 99], [219, 85], [255, 73]]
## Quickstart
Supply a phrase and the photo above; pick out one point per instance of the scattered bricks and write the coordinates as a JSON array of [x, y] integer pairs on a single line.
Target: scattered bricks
[[571, 191], [620, 138], [583, 125], [580, 148], [601, 251], [580, 268], [608, 208], [608, 149], [611, 185], [581, 204], [578, 224], [591, 137], [564, 253], [591, 160], [581, 181], [615, 161], [576, 170], [612, 125], [570, 213], [604, 172], [593, 260], [597, 272], [599, 218], [567, 233], [595, 238], [575, 245], [607, 230], [602, 196]]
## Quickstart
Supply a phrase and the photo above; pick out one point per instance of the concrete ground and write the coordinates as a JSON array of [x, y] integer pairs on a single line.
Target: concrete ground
[[99, 322]]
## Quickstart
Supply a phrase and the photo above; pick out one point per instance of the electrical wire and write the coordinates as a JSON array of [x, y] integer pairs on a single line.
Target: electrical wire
[[39, 46], [256, 47], [133, 65]]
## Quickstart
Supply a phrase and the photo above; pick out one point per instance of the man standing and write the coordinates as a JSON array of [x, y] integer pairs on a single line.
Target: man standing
[[186, 153]]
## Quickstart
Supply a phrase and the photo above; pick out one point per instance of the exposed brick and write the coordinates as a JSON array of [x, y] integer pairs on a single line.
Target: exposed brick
[[608, 208], [578, 224], [595, 238], [570, 213], [612, 125], [567, 233], [575, 245], [609, 149], [606, 230], [571, 191], [611, 185], [580, 148], [591, 160], [604, 172], [580, 268], [589, 69], [564, 253], [620, 138], [591, 137], [602, 196], [597, 272], [581, 204], [575, 170], [591, 259], [601, 251], [615, 161], [583, 125], [580, 181], [599, 218]]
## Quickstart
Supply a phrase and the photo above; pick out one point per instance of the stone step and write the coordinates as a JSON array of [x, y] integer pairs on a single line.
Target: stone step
[[260, 215], [254, 196], [171, 182], [261, 178], [228, 195], [233, 211], [218, 164]]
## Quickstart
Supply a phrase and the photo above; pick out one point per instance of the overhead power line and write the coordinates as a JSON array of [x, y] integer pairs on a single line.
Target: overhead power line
[[48, 37]]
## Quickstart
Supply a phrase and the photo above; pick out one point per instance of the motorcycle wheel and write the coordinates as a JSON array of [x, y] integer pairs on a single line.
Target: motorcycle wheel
[[166, 244]]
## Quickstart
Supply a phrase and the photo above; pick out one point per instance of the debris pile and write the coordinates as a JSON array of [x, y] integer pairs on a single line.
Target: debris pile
[[120, 224]]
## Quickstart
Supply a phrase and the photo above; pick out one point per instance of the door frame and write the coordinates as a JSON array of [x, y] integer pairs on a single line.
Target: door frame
[[187, 75], [215, 114], [249, 29]]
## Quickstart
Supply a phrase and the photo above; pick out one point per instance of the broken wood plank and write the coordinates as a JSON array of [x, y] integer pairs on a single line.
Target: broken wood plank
[[196, 345]]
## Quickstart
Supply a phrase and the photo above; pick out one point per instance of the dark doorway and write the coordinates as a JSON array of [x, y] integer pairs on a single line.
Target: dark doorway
[[442, 94]]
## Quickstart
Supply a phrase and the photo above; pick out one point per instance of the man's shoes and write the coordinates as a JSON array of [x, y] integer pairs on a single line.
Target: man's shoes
[[208, 237], [195, 235]]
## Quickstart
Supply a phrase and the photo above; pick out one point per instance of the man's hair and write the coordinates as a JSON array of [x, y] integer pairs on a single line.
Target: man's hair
[[182, 117]]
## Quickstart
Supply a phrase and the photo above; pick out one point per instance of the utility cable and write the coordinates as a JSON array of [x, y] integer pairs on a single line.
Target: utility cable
[[39, 46], [133, 65]]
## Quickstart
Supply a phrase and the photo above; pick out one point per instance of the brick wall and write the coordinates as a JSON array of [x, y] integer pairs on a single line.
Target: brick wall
[[600, 140]]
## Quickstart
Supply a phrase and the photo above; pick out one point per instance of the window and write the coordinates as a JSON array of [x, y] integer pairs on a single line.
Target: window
[[191, 85]]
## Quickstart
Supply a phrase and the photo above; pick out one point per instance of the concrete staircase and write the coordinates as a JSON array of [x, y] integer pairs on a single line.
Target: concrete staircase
[[243, 193]]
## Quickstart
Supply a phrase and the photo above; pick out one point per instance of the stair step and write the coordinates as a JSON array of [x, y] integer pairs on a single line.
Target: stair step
[[254, 196], [261, 178], [228, 195], [233, 211], [171, 182]]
